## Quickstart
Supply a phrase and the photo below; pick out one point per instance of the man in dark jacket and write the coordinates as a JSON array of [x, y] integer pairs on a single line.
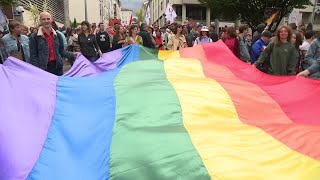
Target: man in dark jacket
[[46, 47], [257, 35], [103, 39], [147, 42]]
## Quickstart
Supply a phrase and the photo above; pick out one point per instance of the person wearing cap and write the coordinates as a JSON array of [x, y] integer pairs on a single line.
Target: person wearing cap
[[203, 37], [259, 46]]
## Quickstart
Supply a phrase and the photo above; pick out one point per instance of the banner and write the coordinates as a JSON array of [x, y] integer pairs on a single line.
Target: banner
[[295, 17], [271, 15]]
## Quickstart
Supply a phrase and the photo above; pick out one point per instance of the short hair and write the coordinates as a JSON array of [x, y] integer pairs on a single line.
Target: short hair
[[87, 24], [13, 24], [293, 26], [143, 26], [243, 28], [267, 34], [309, 34], [231, 31], [100, 24], [25, 27]]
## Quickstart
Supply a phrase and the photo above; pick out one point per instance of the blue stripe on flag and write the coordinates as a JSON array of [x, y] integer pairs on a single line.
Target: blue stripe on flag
[[79, 138]]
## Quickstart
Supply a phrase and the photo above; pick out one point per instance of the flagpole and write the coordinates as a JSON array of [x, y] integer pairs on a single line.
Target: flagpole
[[85, 10]]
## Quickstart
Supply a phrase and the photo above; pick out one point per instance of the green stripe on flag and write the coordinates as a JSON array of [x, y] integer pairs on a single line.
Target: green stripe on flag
[[149, 140], [148, 53]]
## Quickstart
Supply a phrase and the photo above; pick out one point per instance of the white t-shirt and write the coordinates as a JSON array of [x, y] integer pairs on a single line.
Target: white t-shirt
[[305, 46]]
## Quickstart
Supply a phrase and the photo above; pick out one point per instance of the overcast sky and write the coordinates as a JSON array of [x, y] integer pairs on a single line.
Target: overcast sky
[[134, 5]]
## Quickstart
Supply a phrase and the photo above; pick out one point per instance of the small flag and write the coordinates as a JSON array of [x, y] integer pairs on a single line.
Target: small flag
[[147, 18], [130, 21], [170, 13]]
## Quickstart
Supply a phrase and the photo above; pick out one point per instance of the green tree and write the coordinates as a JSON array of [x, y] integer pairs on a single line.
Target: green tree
[[252, 11], [139, 15], [74, 24], [35, 11], [7, 2]]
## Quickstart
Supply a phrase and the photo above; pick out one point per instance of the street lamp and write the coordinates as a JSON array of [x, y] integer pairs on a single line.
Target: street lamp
[[85, 10]]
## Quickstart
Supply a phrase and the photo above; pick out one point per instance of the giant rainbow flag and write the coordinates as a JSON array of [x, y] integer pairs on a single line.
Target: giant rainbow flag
[[137, 114]]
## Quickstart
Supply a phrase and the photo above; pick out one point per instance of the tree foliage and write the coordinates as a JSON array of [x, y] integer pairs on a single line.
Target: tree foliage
[[139, 15], [35, 11], [7, 2], [252, 11]]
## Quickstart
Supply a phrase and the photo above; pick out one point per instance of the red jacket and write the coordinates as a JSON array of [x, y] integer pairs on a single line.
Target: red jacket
[[234, 45]]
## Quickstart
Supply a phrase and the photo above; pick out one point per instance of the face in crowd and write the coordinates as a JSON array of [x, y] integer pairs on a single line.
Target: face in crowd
[[101, 27], [46, 20]]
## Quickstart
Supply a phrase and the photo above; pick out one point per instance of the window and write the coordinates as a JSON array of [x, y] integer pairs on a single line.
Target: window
[[179, 11], [196, 12]]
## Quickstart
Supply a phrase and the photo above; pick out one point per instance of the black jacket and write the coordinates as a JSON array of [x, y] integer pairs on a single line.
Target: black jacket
[[147, 42], [103, 40], [88, 45]]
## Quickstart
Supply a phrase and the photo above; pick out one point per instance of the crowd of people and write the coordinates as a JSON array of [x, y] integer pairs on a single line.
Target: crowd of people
[[291, 50]]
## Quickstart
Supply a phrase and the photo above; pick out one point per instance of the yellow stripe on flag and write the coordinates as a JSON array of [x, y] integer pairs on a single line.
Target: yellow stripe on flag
[[162, 55], [229, 148]]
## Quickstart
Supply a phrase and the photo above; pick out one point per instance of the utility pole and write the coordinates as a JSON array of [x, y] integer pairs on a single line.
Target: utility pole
[[102, 11], [85, 10], [66, 13]]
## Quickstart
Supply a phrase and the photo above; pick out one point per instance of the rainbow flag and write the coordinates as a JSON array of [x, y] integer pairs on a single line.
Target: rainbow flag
[[137, 114]]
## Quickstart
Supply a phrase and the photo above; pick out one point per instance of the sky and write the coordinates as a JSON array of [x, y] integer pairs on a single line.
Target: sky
[[134, 5]]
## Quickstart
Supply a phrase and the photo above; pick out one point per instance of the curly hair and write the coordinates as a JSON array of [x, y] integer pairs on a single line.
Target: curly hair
[[277, 38]]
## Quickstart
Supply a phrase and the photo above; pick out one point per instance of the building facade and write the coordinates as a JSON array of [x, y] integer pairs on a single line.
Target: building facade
[[77, 10], [22, 13], [97, 10], [126, 15], [311, 14]]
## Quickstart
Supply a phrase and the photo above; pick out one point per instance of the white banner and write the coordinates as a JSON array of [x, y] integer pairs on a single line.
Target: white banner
[[295, 17]]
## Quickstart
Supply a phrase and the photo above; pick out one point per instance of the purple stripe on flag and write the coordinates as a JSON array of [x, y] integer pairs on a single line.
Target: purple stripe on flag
[[84, 68], [28, 97]]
